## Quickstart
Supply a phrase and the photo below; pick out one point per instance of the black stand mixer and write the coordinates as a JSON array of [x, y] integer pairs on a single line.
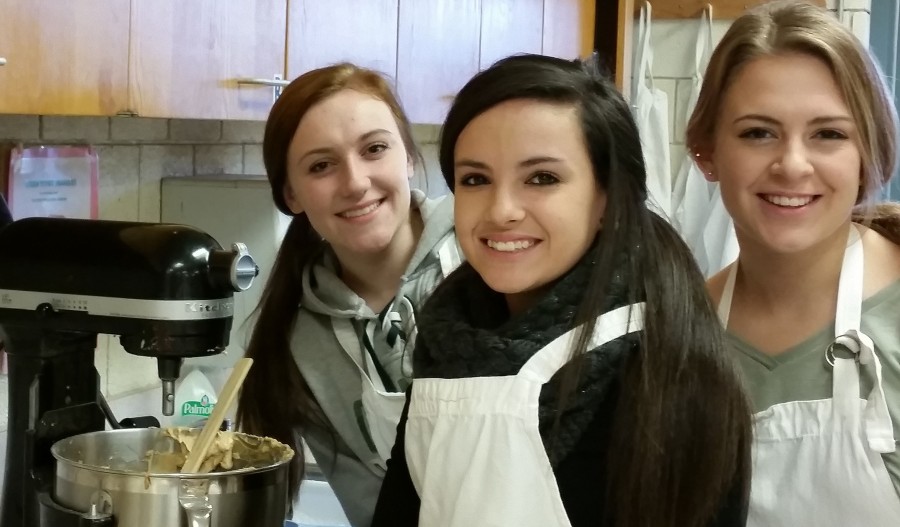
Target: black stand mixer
[[165, 290]]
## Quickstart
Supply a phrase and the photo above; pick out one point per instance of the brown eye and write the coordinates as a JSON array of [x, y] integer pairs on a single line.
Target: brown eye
[[543, 178], [831, 134], [756, 133], [471, 180], [321, 166], [376, 148]]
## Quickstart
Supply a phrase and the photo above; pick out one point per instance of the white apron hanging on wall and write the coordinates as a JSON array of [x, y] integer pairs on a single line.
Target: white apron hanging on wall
[[691, 192], [651, 106]]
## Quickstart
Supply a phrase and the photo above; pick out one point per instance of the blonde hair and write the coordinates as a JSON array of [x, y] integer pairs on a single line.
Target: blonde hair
[[797, 27]]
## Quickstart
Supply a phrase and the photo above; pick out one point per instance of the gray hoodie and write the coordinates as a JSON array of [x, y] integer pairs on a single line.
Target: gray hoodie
[[349, 461]]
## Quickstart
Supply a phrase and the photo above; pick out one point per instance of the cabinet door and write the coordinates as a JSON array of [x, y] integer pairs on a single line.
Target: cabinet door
[[437, 53], [568, 28], [509, 27], [66, 58], [363, 32], [186, 57]]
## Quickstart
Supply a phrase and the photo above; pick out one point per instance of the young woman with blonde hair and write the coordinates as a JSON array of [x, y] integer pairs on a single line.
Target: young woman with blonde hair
[[796, 125]]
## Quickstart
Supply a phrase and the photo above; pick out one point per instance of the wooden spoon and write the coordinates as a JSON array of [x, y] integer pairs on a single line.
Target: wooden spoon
[[226, 399]]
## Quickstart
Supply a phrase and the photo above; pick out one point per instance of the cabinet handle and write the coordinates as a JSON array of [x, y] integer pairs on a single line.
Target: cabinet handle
[[2, 61], [276, 82]]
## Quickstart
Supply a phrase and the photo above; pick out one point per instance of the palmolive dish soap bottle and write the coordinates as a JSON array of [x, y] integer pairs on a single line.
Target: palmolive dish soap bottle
[[195, 399]]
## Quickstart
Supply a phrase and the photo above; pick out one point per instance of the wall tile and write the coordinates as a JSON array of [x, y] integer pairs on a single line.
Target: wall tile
[[194, 131], [865, 5], [243, 131], [860, 23], [253, 160], [428, 176], [75, 129], [119, 168], [426, 133], [218, 159], [129, 373], [680, 109], [157, 162], [20, 128], [138, 129], [674, 44]]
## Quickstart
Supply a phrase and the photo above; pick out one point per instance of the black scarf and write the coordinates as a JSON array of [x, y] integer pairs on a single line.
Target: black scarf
[[465, 330]]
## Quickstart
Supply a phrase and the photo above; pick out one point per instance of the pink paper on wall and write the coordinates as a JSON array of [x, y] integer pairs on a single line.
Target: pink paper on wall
[[53, 181]]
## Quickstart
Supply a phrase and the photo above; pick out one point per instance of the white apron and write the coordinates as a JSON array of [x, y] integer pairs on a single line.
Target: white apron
[[818, 463], [382, 407], [652, 115], [473, 446], [691, 192]]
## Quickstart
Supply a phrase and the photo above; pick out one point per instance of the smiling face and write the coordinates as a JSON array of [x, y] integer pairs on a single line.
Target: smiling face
[[527, 203], [785, 154], [349, 170]]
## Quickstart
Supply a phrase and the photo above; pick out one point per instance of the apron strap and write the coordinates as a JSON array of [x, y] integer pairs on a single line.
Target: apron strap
[[850, 285], [724, 309], [849, 299], [876, 417], [610, 326]]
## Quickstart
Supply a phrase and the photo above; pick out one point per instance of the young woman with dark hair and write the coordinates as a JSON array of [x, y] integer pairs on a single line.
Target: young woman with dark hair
[[572, 372]]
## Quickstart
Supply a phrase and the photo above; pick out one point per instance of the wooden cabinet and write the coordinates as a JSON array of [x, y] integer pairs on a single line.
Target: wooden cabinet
[[568, 28], [187, 56], [437, 52], [443, 43], [509, 27], [66, 58], [323, 33], [183, 59]]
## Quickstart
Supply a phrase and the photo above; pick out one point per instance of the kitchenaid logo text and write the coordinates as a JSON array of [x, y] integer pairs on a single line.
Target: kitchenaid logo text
[[209, 307]]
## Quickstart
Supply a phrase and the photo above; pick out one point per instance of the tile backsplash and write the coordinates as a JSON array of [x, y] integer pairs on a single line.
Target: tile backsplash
[[135, 154]]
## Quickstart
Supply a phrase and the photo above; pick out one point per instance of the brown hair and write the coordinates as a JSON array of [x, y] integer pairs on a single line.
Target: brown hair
[[797, 27], [275, 399], [883, 218]]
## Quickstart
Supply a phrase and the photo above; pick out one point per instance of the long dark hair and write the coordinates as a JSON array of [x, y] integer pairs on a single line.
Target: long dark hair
[[275, 399], [681, 437]]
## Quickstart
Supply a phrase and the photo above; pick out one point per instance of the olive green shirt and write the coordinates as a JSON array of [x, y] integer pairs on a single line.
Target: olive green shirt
[[802, 374]]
